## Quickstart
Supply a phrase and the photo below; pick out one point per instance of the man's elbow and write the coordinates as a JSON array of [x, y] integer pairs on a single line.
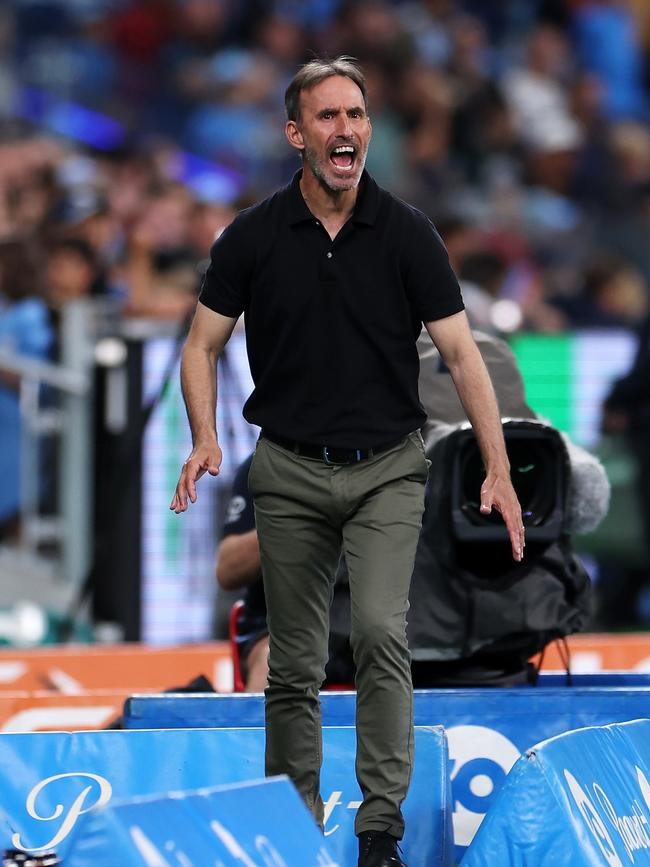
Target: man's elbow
[[196, 350], [463, 358]]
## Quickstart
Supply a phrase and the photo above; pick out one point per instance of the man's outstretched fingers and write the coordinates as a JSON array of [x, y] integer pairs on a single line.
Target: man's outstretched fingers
[[179, 500], [177, 503], [516, 532]]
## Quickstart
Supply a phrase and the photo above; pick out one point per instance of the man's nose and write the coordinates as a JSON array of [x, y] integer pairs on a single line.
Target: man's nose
[[343, 127]]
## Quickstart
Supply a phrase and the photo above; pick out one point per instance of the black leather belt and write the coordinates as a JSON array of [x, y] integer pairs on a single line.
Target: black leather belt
[[329, 454]]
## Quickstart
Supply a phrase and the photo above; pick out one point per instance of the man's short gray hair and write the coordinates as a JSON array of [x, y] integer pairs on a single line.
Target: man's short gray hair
[[317, 70]]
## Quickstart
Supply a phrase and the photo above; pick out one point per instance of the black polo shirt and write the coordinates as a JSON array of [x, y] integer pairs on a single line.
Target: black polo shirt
[[331, 326]]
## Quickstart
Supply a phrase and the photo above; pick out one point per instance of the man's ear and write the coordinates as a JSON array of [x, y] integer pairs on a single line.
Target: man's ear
[[294, 136]]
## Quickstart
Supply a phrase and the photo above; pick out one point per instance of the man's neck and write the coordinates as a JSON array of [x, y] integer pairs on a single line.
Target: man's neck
[[328, 206]]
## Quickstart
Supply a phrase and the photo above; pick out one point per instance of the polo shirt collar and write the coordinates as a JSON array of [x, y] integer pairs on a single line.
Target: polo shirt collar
[[365, 210]]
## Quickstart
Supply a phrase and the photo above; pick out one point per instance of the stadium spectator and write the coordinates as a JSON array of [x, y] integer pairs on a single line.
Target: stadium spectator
[[25, 330], [613, 295]]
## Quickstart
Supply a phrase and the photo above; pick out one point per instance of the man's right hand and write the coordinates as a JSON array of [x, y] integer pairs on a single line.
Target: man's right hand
[[203, 458]]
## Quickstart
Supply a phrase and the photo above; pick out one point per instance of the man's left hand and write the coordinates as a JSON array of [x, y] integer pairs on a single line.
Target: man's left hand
[[497, 492]]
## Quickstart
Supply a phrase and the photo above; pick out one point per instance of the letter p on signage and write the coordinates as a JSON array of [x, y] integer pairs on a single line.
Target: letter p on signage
[[70, 816]]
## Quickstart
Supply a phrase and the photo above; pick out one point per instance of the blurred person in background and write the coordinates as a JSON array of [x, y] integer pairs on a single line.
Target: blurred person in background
[[483, 133], [626, 413], [550, 141], [233, 119], [608, 45], [429, 25], [595, 178], [625, 220], [481, 277], [159, 267], [72, 272], [504, 288], [281, 37], [461, 238], [426, 102], [25, 331], [29, 192], [613, 294], [535, 90], [139, 33], [372, 31], [239, 568]]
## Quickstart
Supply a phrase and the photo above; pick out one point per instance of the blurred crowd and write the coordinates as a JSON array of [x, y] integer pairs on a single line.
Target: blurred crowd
[[132, 130]]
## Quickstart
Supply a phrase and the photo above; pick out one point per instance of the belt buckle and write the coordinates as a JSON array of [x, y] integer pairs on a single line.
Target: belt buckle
[[326, 458]]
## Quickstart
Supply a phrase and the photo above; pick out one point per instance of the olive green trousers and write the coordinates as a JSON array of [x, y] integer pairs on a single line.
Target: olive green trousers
[[306, 512]]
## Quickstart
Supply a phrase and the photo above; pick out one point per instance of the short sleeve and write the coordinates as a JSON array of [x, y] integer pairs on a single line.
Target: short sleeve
[[240, 515], [226, 285], [431, 284]]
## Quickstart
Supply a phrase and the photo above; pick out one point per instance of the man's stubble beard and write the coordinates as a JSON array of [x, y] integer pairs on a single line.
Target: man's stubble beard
[[310, 157]]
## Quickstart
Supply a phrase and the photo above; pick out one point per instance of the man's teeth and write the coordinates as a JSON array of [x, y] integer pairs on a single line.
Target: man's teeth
[[343, 149]]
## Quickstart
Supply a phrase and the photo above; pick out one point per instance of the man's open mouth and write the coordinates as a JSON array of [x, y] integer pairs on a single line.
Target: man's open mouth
[[343, 157]]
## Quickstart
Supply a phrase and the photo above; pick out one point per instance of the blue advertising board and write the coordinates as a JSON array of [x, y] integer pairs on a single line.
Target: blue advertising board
[[582, 798], [252, 824], [593, 678], [49, 780], [487, 729]]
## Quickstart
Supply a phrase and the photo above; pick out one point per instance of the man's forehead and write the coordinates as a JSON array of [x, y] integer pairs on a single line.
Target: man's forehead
[[332, 92]]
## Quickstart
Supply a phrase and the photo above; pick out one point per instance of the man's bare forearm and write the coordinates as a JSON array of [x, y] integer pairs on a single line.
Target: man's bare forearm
[[476, 393], [455, 343], [454, 339], [206, 341], [199, 386], [208, 336]]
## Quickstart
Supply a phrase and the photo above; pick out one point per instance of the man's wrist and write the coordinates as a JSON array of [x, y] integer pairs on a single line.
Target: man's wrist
[[206, 439], [497, 471]]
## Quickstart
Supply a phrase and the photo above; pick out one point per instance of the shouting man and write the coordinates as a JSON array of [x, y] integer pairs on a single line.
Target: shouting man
[[335, 277]]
